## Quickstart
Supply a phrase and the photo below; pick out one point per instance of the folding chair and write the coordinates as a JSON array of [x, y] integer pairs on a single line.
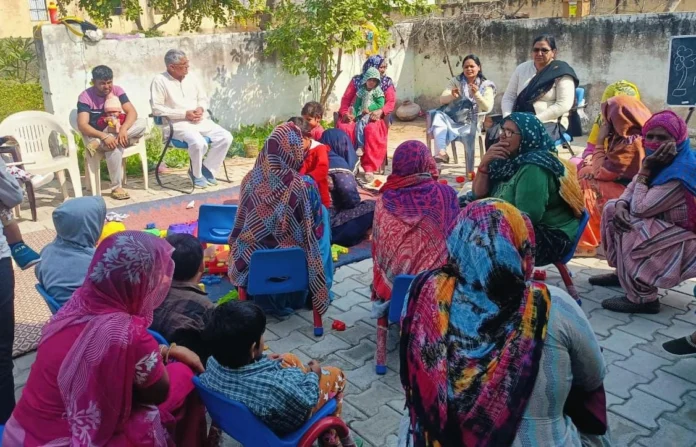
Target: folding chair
[[396, 304], [276, 271], [169, 142], [215, 223], [238, 422]]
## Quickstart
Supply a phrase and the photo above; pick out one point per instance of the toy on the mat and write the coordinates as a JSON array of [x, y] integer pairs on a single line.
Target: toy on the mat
[[460, 179], [443, 181], [338, 325], [210, 279], [150, 226], [232, 295], [338, 250], [110, 228], [539, 275], [216, 259], [186, 228]]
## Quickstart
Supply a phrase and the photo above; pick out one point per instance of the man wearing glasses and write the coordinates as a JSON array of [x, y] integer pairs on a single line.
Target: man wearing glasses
[[177, 95]]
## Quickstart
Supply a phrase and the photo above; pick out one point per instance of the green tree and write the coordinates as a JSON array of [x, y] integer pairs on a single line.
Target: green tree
[[307, 35], [18, 60], [190, 12]]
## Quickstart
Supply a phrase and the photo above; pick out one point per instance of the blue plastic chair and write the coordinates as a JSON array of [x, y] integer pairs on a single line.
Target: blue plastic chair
[[173, 143], [579, 105], [561, 265], [276, 271], [396, 304], [237, 421], [157, 336], [2, 431], [53, 305], [215, 223]]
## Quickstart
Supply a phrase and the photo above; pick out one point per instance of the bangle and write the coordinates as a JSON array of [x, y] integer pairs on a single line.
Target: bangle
[[169, 350], [640, 178], [107, 136], [482, 170]]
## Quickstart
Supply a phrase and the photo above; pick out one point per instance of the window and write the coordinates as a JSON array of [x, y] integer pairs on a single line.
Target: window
[[37, 10], [117, 7]]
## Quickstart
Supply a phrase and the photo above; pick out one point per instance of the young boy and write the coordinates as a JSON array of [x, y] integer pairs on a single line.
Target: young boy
[[316, 164], [182, 316], [22, 254], [313, 112], [278, 389], [369, 98]]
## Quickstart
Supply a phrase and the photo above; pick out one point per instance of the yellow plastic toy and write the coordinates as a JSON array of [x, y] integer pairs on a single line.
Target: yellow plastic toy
[[338, 250], [111, 228], [372, 36]]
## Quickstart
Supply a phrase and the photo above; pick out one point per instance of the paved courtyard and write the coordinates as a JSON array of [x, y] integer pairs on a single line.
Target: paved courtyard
[[651, 394]]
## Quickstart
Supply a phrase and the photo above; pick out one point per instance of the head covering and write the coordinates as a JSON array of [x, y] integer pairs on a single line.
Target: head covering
[[474, 331], [619, 88], [373, 62], [112, 104], [64, 262], [371, 73], [412, 193], [626, 114], [275, 212], [683, 167], [537, 148], [127, 279], [342, 154]]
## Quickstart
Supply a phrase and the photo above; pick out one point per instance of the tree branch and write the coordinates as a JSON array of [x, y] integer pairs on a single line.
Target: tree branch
[[169, 17]]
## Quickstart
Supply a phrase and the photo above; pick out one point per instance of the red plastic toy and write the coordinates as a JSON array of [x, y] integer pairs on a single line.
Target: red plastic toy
[[460, 179], [338, 325], [443, 181], [540, 275]]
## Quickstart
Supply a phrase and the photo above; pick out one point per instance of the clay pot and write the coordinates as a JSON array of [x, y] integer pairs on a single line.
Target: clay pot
[[408, 111]]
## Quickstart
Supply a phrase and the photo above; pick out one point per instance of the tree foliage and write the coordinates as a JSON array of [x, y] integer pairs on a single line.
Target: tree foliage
[[190, 12], [307, 35], [18, 60]]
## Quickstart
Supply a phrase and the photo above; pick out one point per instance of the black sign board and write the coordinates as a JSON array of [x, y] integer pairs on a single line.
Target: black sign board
[[681, 83]]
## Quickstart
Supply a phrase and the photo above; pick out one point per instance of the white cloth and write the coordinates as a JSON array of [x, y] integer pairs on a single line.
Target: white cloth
[[554, 104], [11, 195], [172, 98]]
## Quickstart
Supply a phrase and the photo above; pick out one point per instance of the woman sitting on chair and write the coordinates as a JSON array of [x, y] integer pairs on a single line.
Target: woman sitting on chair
[[279, 208], [376, 131], [544, 87], [469, 90], [100, 378], [649, 233], [523, 169]]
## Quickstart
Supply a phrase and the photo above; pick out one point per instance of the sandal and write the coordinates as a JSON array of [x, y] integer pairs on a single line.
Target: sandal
[[120, 195], [442, 158], [682, 346], [606, 280], [623, 305]]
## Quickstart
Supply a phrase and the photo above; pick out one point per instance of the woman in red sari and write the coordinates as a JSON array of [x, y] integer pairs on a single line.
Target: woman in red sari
[[100, 378], [377, 130]]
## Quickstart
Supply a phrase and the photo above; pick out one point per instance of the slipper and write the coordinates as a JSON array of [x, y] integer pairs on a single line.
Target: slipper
[[681, 346], [624, 305], [120, 195]]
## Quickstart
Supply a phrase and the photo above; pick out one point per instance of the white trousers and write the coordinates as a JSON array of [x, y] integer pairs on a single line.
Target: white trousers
[[193, 134]]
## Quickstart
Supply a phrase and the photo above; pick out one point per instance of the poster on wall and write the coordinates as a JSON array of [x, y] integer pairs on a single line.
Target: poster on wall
[[681, 81]]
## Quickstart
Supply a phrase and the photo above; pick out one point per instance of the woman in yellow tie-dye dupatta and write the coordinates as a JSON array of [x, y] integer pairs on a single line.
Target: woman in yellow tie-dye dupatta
[[473, 336]]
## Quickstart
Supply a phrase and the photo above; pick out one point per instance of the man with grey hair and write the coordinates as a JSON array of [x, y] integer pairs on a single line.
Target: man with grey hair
[[179, 96]]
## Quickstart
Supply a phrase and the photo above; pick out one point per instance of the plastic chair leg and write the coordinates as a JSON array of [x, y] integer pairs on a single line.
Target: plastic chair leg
[[320, 427], [143, 162], [568, 281], [74, 171], [381, 352], [454, 153], [318, 325]]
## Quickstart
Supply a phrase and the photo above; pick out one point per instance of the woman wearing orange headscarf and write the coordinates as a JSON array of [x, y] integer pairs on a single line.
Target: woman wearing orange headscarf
[[615, 161]]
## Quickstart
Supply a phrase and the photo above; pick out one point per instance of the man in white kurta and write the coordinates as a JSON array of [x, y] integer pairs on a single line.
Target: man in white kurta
[[178, 96]]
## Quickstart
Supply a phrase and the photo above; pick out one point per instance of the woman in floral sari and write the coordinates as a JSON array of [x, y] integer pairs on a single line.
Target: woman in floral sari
[[413, 217], [615, 160], [99, 376]]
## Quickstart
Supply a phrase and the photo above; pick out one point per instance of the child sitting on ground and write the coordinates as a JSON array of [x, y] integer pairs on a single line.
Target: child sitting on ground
[[278, 389], [22, 254], [369, 98], [316, 163], [313, 112]]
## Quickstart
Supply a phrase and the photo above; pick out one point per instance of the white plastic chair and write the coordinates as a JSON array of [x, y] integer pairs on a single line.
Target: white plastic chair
[[32, 130], [93, 162], [479, 139]]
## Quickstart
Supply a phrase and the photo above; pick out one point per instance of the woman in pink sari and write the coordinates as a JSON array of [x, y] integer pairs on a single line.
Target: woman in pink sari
[[99, 377], [377, 130]]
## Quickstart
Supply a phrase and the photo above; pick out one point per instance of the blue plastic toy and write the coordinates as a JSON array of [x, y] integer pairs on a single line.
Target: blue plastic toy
[[150, 226]]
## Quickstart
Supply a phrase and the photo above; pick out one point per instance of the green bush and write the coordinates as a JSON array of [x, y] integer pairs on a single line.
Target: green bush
[[16, 97]]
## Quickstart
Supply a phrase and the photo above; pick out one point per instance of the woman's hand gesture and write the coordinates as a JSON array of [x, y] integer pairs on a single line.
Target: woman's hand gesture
[[622, 217], [663, 156], [473, 88], [498, 151]]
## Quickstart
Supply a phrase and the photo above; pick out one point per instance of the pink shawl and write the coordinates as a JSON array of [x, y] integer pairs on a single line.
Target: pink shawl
[[128, 278]]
